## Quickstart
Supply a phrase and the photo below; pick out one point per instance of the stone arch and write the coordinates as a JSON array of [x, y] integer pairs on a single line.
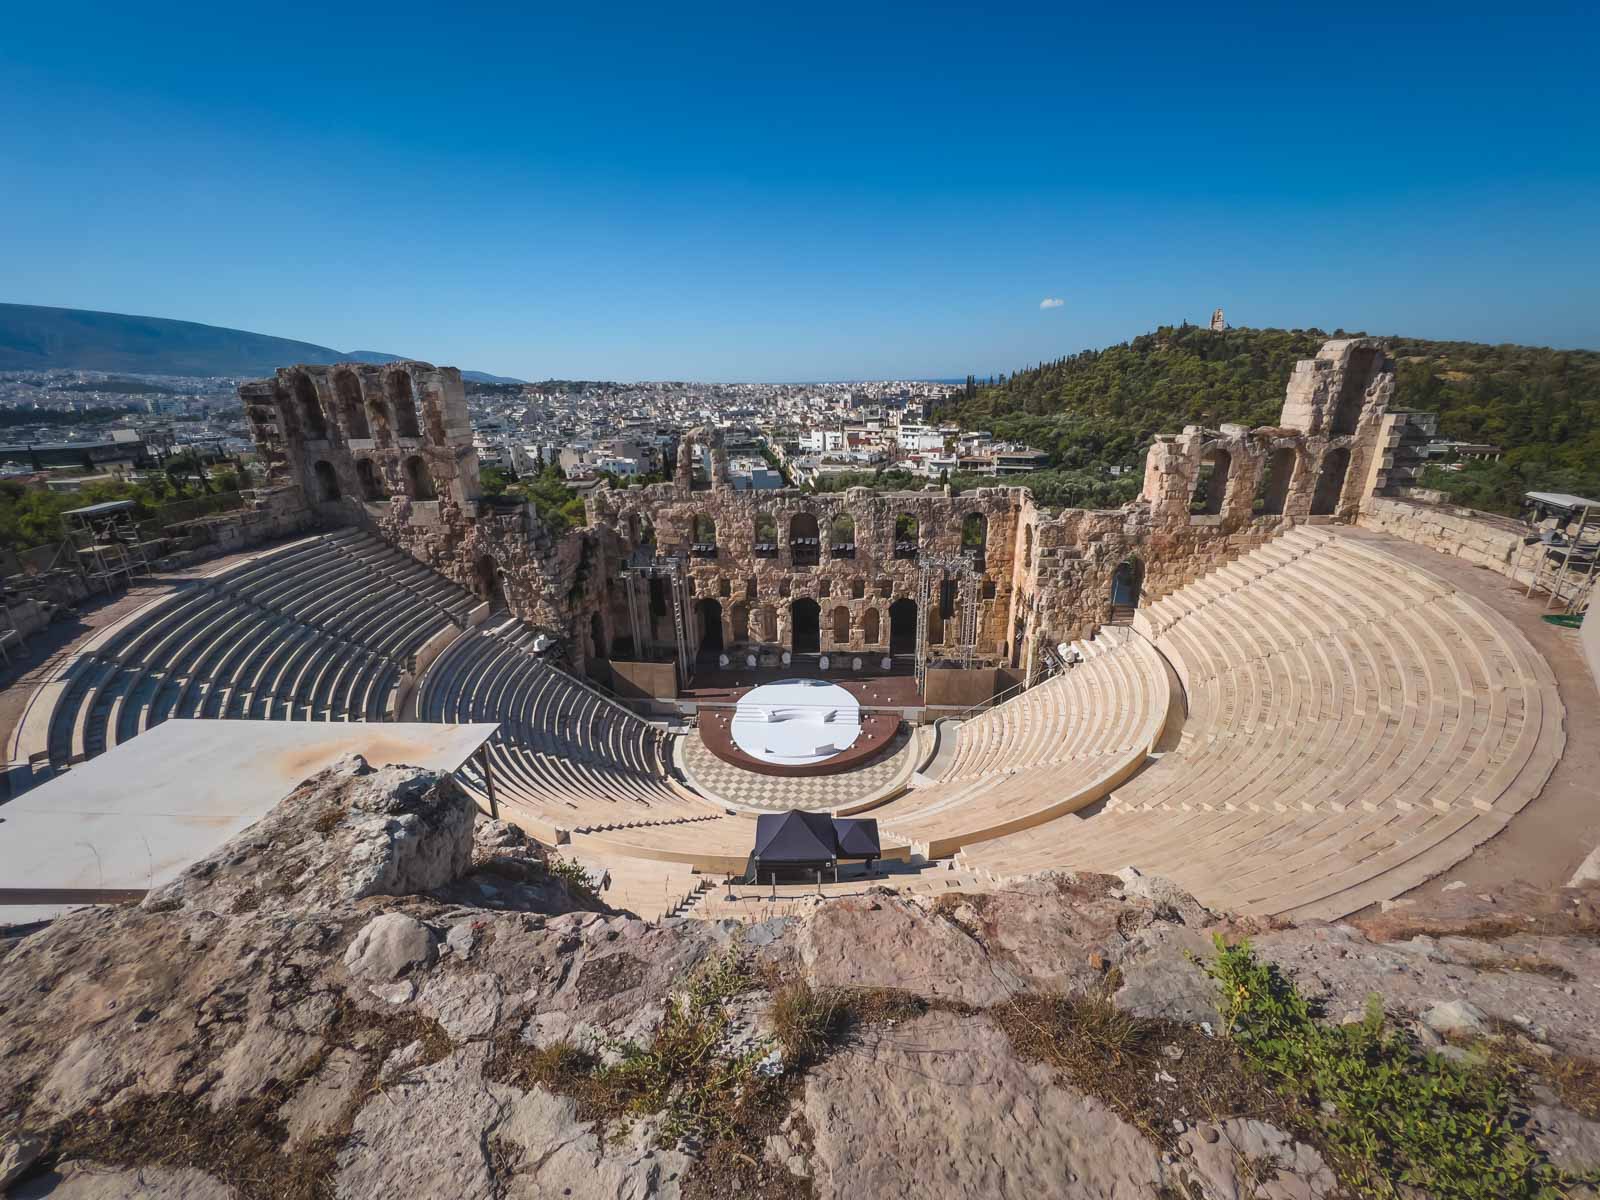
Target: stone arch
[[805, 626], [327, 481], [372, 487], [804, 538], [725, 587], [907, 535], [841, 625], [1277, 475], [419, 479], [708, 614], [974, 531], [403, 398], [765, 543], [739, 622], [487, 580], [1359, 369], [903, 626], [869, 627], [352, 411], [842, 536], [1330, 482], [310, 405], [1126, 582], [858, 588], [1211, 482], [703, 531]]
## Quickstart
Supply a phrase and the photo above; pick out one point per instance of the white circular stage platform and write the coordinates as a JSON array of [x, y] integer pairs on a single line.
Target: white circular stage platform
[[796, 721]]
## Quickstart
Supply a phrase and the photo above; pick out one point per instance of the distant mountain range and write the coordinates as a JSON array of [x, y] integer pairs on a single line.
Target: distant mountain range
[[33, 338]]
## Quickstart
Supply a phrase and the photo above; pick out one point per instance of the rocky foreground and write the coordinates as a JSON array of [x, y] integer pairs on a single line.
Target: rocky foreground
[[371, 993]]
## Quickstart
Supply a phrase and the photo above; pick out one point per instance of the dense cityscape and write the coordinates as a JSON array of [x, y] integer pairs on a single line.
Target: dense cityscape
[[777, 434]]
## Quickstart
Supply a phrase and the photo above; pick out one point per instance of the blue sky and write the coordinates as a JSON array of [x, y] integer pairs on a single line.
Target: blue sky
[[800, 192]]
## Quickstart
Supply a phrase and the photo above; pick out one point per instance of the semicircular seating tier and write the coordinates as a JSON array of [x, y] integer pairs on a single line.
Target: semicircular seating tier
[[326, 628], [567, 758], [1355, 726], [1059, 746]]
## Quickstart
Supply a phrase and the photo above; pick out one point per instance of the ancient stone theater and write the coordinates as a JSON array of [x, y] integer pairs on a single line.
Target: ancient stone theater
[[1281, 676]]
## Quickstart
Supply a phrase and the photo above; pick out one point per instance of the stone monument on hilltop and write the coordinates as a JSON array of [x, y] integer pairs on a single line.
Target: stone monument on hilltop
[[1218, 323]]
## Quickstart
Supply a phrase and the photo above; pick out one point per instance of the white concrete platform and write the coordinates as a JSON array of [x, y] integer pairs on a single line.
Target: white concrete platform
[[135, 817], [795, 722]]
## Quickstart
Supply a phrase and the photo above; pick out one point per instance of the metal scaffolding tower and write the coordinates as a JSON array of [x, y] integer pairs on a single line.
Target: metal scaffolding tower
[[1564, 560], [106, 541]]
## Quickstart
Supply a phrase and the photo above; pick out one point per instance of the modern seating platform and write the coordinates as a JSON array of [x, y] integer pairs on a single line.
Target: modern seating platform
[[567, 759], [1355, 726], [327, 628]]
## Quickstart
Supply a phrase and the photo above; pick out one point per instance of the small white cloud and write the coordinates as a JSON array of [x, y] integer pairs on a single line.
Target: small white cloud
[[1051, 302]]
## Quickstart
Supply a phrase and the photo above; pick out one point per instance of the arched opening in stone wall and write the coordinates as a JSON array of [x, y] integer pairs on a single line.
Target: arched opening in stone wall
[[419, 479], [725, 588], [739, 621], [805, 624], [351, 409], [903, 626], [703, 536], [870, 628], [327, 481], [841, 626], [486, 577], [1276, 477], [1347, 410], [436, 434], [1330, 483], [1126, 582], [804, 541], [371, 478], [906, 536], [305, 394], [1211, 483], [858, 588], [709, 614], [842, 536], [766, 536], [974, 531], [402, 395], [597, 637]]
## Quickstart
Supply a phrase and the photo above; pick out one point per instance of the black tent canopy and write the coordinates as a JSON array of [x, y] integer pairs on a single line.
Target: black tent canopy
[[858, 837], [797, 839]]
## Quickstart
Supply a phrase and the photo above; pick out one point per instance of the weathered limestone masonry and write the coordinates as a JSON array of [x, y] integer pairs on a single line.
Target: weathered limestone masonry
[[758, 557], [391, 447], [842, 574], [1211, 495], [1480, 538]]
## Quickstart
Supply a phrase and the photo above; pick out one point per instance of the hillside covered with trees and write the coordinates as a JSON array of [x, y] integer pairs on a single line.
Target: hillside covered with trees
[[1099, 409]]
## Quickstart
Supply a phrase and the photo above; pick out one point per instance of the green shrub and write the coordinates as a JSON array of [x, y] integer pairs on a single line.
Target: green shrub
[[1395, 1116]]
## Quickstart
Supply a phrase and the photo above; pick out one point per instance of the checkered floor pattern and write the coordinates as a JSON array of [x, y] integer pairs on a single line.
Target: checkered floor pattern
[[738, 786]]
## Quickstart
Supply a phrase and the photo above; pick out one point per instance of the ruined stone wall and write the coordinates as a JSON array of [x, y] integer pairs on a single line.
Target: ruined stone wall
[[854, 565], [391, 447]]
